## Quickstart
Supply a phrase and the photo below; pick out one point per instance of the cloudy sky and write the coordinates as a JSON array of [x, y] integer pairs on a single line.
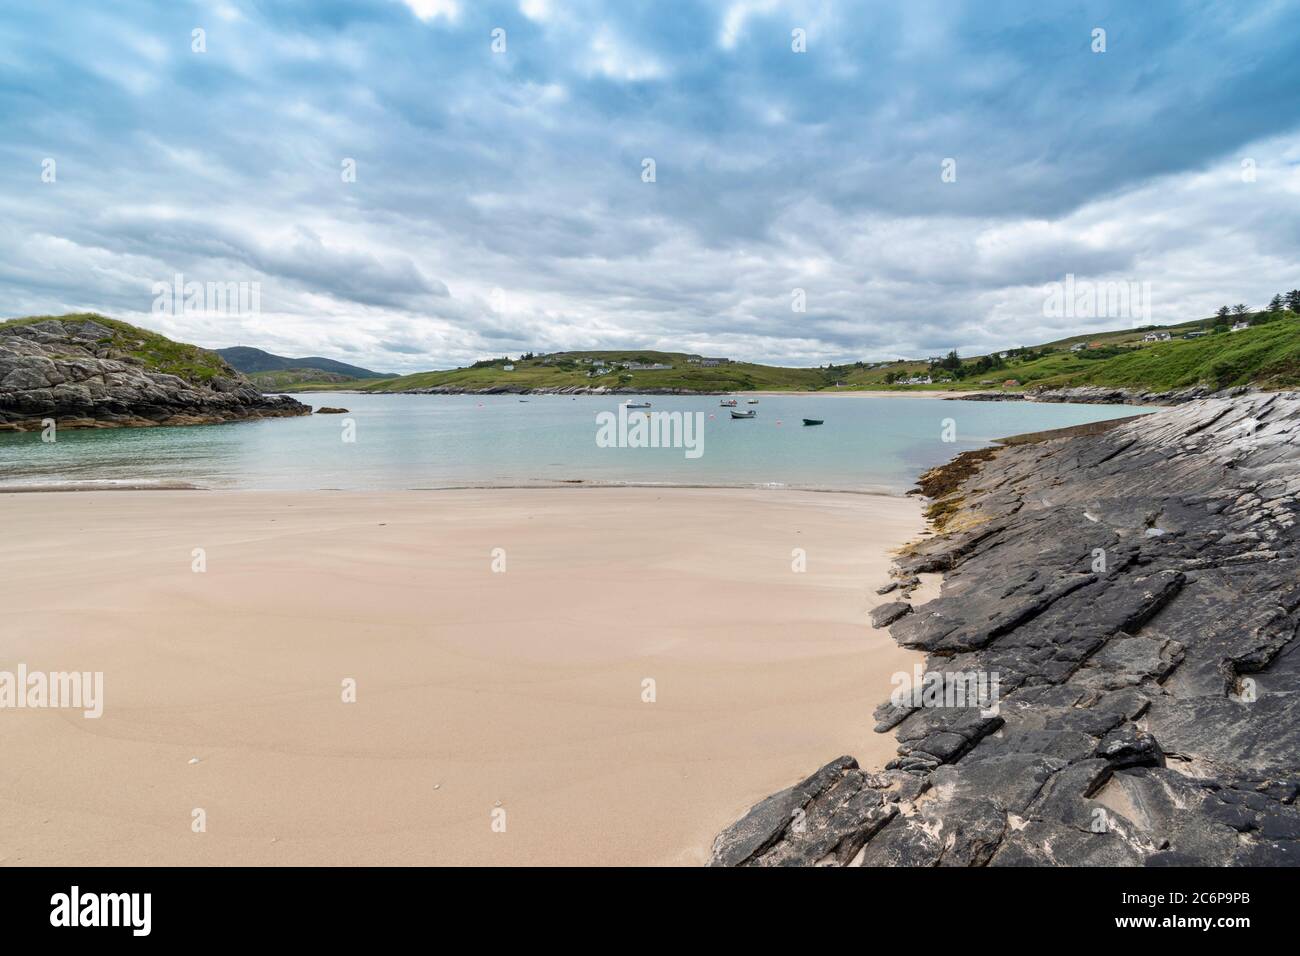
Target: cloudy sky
[[500, 201]]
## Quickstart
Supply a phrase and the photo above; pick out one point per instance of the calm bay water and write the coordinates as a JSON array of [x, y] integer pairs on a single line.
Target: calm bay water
[[429, 441]]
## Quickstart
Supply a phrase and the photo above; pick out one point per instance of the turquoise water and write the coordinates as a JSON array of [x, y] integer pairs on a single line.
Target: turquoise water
[[430, 441]]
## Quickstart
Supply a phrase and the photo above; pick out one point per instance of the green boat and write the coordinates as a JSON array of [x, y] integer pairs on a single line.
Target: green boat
[[813, 421]]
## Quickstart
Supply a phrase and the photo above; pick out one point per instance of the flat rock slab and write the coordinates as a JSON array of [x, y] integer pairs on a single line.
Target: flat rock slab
[[887, 614], [1134, 596]]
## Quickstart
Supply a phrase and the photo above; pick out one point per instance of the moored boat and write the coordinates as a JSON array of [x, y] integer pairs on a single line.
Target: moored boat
[[749, 414], [729, 403], [813, 421]]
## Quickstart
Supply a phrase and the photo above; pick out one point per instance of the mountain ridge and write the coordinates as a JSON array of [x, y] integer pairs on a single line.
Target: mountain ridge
[[249, 360]]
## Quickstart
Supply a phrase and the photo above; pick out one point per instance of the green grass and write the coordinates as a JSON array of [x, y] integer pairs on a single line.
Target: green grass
[[736, 376], [303, 380], [158, 352], [1266, 355]]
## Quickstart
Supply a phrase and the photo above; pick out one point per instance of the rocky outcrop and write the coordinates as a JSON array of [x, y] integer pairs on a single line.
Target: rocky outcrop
[[1104, 395], [1132, 598], [75, 371]]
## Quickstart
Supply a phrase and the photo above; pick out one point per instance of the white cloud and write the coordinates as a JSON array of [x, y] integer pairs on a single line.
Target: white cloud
[[428, 10], [733, 21], [613, 57], [539, 10]]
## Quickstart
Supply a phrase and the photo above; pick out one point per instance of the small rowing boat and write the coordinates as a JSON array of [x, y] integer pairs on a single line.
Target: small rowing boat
[[637, 404], [749, 414], [813, 421], [732, 403]]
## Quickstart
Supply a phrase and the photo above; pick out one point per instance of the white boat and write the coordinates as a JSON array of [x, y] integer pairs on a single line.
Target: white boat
[[752, 413]]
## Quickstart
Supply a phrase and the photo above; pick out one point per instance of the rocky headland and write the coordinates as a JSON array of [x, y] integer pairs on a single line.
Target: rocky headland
[[1105, 395], [87, 371], [1132, 596]]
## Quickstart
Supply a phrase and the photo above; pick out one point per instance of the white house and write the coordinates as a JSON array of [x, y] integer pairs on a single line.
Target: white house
[[508, 368], [1157, 337], [1240, 325], [1078, 347]]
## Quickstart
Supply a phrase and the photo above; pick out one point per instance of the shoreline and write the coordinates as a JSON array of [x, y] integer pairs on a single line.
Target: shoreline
[[565, 390], [523, 687], [1078, 394], [558, 485]]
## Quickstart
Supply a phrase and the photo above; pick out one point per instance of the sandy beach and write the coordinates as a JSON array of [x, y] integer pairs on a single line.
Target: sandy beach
[[477, 690]]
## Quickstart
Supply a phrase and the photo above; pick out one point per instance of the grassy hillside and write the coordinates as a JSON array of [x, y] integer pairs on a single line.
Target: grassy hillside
[[567, 370], [302, 380], [1267, 354], [1264, 355], [156, 351]]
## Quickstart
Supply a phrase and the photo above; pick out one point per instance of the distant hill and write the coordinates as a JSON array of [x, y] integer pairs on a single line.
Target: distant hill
[[248, 360], [1205, 352]]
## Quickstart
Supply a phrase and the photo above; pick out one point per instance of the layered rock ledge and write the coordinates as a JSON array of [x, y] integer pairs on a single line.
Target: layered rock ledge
[[1106, 395], [76, 372], [1136, 594]]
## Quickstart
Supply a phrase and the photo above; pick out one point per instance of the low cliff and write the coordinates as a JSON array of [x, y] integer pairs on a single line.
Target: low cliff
[[1104, 395], [86, 371]]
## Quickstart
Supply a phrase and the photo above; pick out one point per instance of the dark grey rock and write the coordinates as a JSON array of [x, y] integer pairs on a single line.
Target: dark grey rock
[[1149, 709], [60, 369], [887, 614]]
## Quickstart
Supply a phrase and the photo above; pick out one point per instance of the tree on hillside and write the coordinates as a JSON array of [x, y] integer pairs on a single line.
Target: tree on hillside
[[1239, 309], [1293, 300], [1275, 304], [1223, 312]]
